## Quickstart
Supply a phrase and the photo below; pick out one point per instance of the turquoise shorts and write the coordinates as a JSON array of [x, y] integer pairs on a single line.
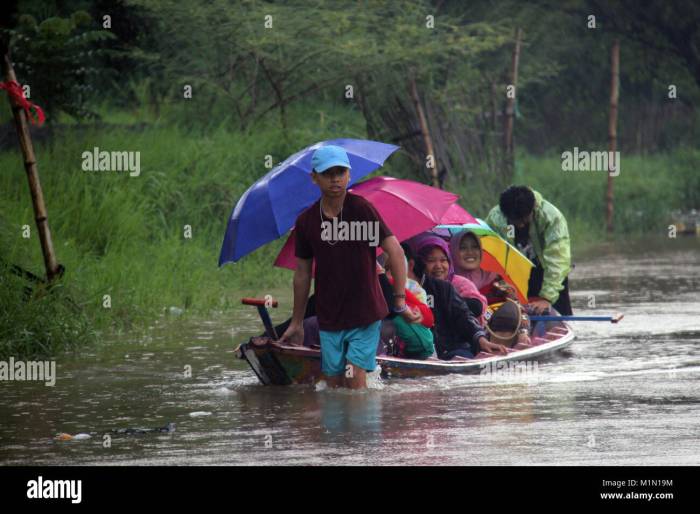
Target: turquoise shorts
[[357, 346]]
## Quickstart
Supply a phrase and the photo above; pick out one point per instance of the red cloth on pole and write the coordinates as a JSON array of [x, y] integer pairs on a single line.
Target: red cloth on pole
[[15, 91]]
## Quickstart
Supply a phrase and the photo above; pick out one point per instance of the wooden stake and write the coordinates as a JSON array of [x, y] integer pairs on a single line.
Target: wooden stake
[[425, 132], [612, 131], [53, 269], [510, 107]]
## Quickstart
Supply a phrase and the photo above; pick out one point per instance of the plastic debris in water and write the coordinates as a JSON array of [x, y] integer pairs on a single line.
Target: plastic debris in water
[[67, 437], [199, 414]]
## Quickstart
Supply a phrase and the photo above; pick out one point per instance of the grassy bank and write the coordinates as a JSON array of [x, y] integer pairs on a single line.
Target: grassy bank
[[647, 189], [124, 236]]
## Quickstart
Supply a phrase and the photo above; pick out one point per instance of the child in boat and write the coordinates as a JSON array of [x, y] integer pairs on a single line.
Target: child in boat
[[416, 336], [434, 254], [507, 324], [349, 301]]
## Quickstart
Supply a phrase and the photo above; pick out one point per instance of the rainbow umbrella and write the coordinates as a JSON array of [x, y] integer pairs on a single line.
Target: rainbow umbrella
[[499, 255]]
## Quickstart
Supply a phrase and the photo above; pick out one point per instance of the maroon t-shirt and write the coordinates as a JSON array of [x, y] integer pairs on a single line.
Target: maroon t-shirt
[[348, 294]]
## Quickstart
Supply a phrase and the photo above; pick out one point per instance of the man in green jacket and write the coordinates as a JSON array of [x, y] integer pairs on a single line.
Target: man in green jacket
[[539, 230]]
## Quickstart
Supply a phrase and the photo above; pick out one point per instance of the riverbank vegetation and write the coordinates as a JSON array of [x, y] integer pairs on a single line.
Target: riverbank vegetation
[[136, 247]]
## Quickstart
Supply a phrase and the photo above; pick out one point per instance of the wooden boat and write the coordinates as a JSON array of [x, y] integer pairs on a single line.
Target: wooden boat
[[277, 364]]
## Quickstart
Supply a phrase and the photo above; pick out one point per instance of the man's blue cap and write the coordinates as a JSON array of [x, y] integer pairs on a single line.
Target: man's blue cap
[[328, 156]]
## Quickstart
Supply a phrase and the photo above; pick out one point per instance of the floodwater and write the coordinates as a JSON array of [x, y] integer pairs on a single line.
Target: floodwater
[[625, 394]]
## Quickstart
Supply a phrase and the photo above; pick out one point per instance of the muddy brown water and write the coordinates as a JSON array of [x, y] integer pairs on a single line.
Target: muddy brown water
[[626, 394]]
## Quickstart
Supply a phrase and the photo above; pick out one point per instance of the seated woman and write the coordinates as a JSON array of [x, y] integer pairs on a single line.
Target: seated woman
[[467, 253], [433, 252], [458, 334]]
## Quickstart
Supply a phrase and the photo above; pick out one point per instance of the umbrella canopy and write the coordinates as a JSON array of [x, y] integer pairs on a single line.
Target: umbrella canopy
[[269, 208], [456, 215], [408, 208], [499, 256]]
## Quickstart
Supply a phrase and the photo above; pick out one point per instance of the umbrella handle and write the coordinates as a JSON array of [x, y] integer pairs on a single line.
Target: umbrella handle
[[262, 304]]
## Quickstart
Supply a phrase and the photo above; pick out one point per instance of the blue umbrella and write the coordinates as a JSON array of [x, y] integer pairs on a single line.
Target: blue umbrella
[[269, 208]]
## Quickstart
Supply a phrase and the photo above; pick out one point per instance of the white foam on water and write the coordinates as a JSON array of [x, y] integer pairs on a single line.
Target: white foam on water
[[225, 391], [374, 379], [199, 414]]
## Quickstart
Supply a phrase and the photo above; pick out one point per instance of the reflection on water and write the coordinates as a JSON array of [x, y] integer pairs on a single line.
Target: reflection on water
[[622, 394]]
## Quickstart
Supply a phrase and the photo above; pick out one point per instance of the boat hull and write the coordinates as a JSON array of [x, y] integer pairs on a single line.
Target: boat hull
[[277, 364]]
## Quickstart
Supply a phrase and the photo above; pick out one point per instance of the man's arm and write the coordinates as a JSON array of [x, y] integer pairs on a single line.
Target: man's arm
[[556, 258], [302, 285], [397, 264], [395, 257]]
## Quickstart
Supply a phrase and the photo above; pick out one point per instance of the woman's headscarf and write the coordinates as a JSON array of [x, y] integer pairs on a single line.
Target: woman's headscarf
[[479, 277], [423, 244]]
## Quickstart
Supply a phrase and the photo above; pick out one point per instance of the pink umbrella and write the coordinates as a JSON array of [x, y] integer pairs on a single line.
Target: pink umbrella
[[456, 212], [408, 208]]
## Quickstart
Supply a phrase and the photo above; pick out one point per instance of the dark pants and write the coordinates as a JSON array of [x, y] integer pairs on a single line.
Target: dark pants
[[563, 303]]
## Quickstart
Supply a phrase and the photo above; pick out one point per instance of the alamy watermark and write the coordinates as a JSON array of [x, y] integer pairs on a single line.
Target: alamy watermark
[[583, 160], [41, 371], [350, 231], [510, 371], [102, 160], [42, 488]]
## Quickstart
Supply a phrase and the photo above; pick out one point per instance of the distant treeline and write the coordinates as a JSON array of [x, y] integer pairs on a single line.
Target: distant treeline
[[423, 74]]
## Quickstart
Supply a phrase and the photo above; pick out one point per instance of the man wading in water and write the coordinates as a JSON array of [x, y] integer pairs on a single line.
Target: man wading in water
[[349, 300]]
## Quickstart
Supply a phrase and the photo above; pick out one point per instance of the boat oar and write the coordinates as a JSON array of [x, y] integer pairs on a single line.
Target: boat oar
[[262, 304], [611, 319]]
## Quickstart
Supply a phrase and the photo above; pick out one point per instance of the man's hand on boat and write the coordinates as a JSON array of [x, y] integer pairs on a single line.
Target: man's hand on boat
[[489, 347], [294, 335], [540, 306]]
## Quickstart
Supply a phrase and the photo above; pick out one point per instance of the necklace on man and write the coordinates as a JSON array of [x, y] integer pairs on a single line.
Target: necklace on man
[[320, 210]]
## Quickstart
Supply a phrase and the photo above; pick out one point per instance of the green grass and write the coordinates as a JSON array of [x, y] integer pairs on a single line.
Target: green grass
[[647, 189], [124, 236]]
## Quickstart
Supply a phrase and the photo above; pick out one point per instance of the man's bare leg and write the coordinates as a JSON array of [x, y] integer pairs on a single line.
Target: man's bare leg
[[335, 381], [356, 378]]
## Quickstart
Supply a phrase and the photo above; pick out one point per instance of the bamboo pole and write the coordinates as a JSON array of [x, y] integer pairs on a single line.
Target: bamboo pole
[[425, 131], [53, 269], [510, 106], [612, 131]]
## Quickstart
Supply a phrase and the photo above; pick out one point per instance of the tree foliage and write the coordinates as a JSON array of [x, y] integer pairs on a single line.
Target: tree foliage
[[250, 61], [58, 58]]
